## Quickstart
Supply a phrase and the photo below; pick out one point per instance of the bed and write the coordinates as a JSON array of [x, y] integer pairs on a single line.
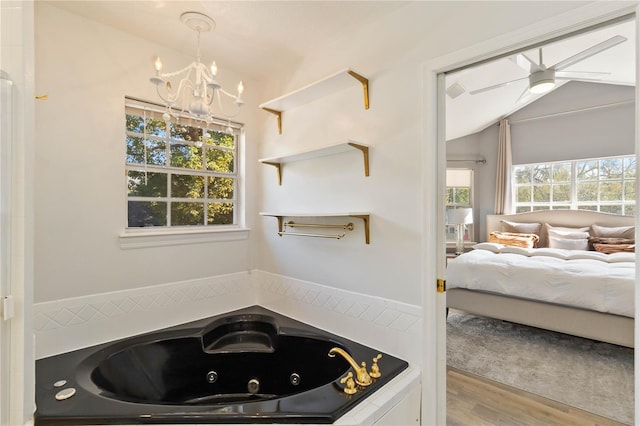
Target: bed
[[556, 285]]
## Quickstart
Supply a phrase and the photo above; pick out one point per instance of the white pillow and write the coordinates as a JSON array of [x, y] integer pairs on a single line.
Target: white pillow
[[568, 238], [494, 247], [569, 243]]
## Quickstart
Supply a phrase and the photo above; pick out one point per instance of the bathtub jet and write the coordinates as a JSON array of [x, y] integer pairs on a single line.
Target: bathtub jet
[[247, 366]]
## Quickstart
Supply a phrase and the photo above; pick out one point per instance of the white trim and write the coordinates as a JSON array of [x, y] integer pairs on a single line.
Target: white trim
[[434, 362], [151, 237]]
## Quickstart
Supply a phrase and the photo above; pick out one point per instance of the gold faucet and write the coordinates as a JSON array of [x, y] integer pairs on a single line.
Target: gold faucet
[[362, 377]]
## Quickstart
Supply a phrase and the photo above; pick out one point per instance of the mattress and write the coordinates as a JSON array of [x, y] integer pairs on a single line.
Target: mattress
[[582, 279]]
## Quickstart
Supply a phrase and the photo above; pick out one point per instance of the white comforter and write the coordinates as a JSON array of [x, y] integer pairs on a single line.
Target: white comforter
[[576, 278]]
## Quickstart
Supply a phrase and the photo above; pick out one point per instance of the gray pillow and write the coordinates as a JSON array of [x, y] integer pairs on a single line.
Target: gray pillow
[[628, 232]]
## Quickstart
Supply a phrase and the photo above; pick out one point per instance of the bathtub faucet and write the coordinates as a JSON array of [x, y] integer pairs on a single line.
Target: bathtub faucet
[[362, 377]]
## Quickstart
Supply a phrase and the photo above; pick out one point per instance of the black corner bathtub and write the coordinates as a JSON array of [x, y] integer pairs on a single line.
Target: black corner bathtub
[[247, 366]]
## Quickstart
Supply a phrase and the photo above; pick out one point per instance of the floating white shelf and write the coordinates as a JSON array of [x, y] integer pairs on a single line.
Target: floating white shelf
[[277, 162], [365, 216], [333, 83]]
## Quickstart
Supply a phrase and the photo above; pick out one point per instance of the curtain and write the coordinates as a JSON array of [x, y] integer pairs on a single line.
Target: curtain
[[504, 202]]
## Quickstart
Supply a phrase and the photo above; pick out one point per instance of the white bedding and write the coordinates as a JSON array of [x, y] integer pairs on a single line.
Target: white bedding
[[583, 279]]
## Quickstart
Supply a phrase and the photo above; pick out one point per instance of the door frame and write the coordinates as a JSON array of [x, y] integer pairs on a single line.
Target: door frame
[[434, 167]]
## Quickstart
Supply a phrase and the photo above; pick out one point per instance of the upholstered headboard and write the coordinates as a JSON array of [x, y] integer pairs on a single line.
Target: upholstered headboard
[[567, 218]]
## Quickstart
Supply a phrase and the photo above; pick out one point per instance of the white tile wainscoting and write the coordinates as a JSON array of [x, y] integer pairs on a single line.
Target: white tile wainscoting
[[392, 327]]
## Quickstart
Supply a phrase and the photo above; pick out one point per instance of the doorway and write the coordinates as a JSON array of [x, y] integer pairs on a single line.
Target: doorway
[[435, 159]]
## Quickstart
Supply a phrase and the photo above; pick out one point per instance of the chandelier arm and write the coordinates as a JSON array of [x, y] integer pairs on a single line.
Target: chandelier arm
[[188, 68], [228, 94], [224, 113]]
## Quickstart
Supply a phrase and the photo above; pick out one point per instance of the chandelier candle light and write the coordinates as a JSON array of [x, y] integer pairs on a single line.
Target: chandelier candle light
[[197, 88]]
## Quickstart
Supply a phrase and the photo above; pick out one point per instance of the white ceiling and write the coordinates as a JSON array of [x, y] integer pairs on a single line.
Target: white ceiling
[[467, 113], [265, 38], [257, 38]]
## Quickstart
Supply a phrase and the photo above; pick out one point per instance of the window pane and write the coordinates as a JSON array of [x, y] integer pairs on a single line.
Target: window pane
[[629, 210], [611, 168], [220, 139], [147, 213], [542, 173], [630, 167], [541, 193], [183, 214], [461, 196], [187, 186], [522, 174], [449, 196], [186, 156], [588, 207], [539, 208], [220, 188], [588, 191], [562, 172], [156, 127], [524, 194], [220, 213], [220, 160], [629, 190], [135, 150], [135, 123], [156, 152], [561, 193], [587, 170], [148, 184], [183, 132], [611, 191], [523, 209]]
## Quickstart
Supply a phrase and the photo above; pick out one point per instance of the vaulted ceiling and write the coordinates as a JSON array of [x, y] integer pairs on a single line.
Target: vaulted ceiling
[[470, 112]]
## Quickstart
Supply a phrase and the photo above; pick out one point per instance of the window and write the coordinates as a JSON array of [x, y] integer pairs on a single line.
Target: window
[[459, 191], [601, 184], [179, 173]]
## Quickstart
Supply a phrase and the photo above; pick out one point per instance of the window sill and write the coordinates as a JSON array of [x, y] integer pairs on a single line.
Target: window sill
[[143, 238]]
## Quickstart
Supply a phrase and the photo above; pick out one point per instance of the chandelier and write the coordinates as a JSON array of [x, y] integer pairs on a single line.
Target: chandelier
[[194, 88]]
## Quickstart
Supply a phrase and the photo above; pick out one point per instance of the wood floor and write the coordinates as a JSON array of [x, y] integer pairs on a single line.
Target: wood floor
[[476, 401]]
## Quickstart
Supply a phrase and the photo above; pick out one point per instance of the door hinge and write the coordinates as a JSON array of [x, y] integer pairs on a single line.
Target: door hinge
[[441, 285], [7, 307]]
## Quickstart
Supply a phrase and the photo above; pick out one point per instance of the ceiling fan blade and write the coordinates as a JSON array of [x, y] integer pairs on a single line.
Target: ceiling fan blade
[[572, 75], [595, 80], [593, 50], [524, 62], [495, 86]]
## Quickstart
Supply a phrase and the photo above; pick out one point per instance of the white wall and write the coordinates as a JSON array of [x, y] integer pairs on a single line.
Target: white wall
[[594, 132], [87, 69], [390, 53]]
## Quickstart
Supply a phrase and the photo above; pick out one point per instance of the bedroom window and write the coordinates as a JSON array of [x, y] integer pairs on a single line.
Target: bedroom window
[[599, 184], [459, 194], [179, 173]]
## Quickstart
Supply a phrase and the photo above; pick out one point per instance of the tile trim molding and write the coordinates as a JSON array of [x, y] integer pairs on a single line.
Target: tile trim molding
[[69, 324]]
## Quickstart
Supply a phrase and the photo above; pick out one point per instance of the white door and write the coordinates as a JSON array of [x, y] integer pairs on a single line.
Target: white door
[[6, 87]]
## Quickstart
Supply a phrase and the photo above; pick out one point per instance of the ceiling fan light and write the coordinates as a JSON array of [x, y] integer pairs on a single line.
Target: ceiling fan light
[[542, 81]]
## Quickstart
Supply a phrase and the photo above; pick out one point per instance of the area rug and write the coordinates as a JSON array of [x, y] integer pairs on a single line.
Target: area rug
[[590, 375]]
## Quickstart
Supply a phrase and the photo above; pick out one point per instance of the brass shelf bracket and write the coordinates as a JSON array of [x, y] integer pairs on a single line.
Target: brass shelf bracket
[[365, 154], [365, 86], [365, 219], [278, 166], [278, 115]]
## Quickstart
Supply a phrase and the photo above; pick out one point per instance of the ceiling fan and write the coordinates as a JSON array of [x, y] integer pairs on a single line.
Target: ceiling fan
[[542, 78]]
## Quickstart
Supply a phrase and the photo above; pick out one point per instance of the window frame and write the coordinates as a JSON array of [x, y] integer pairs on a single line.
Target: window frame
[[574, 203], [451, 230], [150, 236]]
